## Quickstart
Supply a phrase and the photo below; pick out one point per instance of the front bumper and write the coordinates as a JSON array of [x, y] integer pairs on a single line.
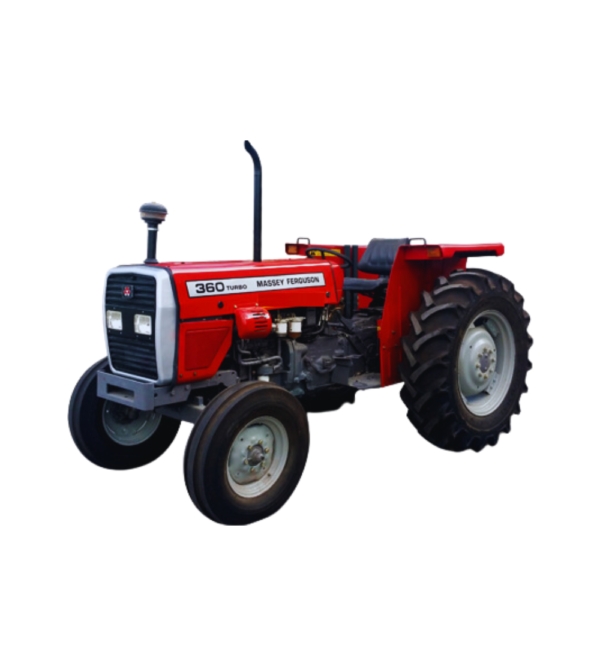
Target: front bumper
[[145, 396]]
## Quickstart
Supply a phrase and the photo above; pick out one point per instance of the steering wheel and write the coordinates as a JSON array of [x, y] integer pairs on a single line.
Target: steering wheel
[[347, 261]]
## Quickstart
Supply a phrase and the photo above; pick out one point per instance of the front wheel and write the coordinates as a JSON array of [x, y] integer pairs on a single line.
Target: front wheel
[[246, 454], [112, 435], [465, 360]]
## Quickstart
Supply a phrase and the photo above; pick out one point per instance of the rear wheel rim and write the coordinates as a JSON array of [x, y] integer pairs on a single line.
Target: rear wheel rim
[[257, 457], [128, 426], [486, 362]]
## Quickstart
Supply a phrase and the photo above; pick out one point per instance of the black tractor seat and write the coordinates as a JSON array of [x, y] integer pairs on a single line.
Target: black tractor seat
[[378, 259]]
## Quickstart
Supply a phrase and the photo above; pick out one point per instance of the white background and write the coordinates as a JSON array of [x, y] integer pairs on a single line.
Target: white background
[[460, 122]]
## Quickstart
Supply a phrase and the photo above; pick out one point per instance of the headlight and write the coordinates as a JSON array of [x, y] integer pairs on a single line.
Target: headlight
[[114, 320], [142, 324]]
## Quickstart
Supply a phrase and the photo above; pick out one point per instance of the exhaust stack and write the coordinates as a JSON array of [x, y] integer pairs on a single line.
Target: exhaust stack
[[152, 214], [257, 201]]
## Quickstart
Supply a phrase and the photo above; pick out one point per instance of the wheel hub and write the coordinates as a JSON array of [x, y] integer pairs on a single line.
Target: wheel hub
[[477, 361], [251, 454], [257, 456], [128, 426], [486, 362]]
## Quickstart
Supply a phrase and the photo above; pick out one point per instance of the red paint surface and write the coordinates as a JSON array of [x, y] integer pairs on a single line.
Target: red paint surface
[[208, 306], [408, 279], [202, 348], [253, 323]]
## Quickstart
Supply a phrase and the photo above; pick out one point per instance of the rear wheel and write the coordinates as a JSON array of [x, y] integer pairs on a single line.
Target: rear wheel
[[112, 435], [465, 360], [246, 454]]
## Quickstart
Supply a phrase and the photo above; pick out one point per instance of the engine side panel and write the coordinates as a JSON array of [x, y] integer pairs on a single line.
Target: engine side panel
[[202, 348], [217, 289]]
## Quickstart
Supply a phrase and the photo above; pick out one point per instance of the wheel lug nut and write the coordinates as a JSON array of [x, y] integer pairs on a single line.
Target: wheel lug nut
[[253, 470], [249, 447], [263, 465], [246, 462], [260, 441], [267, 450]]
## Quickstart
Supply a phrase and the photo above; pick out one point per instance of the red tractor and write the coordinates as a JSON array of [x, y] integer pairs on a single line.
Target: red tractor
[[244, 349]]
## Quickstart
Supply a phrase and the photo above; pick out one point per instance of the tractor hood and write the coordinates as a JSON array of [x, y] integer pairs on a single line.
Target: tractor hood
[[210, 289]]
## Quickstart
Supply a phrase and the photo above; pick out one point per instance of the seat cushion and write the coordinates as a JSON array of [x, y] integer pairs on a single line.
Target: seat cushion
[[364, 285], [380, 254]]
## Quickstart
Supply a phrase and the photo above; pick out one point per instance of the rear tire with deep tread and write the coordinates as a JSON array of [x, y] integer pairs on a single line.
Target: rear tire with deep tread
[[430, 354]]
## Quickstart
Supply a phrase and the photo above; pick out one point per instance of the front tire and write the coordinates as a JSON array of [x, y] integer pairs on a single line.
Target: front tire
[[115, 436], [465, 360], [246, 454]]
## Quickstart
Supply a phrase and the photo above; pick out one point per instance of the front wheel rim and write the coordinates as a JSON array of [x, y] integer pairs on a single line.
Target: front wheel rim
[[486, 362], [257, 457], [128, 426]]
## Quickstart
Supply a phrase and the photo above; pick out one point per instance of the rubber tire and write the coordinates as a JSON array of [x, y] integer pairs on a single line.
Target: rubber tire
[[207, 451], [328, 399], [429, 366], [90, 437]]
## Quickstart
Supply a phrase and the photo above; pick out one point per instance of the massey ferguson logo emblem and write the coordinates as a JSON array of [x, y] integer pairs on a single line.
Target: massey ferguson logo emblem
[[128, 291]]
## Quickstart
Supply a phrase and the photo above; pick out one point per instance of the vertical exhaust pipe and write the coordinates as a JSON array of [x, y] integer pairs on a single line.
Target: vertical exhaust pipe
[[257, 201]]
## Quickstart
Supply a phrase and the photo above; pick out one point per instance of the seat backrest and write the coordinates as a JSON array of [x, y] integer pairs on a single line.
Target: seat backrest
[[380, 254]]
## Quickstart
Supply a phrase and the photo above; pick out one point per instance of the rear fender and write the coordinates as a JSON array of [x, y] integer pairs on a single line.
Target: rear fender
[[415, 270]]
